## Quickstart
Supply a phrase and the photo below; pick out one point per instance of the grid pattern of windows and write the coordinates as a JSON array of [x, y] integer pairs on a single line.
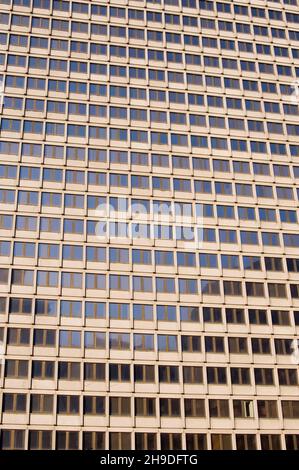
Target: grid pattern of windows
[[177, 312]]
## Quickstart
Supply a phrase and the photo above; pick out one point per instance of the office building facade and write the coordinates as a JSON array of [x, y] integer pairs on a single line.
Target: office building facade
[[149, 294]]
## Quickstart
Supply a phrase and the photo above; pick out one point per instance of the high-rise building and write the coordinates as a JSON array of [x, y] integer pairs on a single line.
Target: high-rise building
[[149, 224]]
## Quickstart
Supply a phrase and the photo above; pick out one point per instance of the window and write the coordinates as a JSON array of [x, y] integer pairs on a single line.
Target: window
[[283, 346], [20, 306], [290, 409], [234, 315], [93, 440], [16, 368], [280, 317], [44, 338], [167, 343], [119, 441], [219, 408], [40, 440], [18, 336], [287, 377], [170, 407], [168, 374], [143, 342], [47, 278], [243, 408], [69, 339], [69, 370], [145, 406], [192, 374], [22, 277], [144, 373], [270, 442], [43, 370], [246, 442], [41, 403], [94, 405], [240, 376], [292, 441], [94, 371], [120, 406], [255, 289], [237, 345], [67, 440], [145, 441], [260, 345], [119, 311], [232, 288], [263, 376], [70, 308], [68, 404], [210, 287], [14, 403], [196, 442], [171, 441], [46, 307], [214, 344], [94, 340], [207, 260], [257, 317], [142, 312], [119, 372], [191, 343], [216, 375], [189, 314], [4, 276], [12, 439]]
